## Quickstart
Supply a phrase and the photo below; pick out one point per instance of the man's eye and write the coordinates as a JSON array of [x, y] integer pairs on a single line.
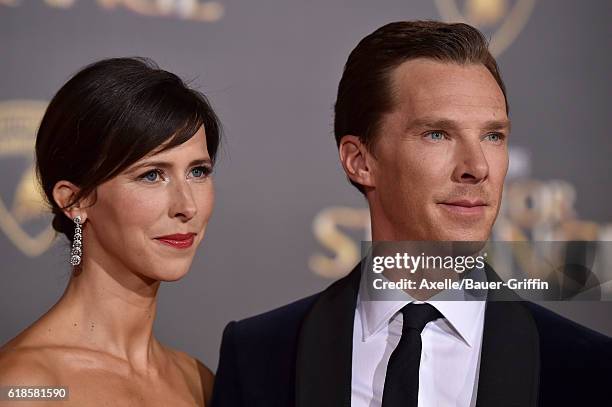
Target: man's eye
[[200, 172], [436, 135], [495, 137]]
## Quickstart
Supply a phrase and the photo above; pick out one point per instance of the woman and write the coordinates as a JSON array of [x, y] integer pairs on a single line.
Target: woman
[[124, 155]]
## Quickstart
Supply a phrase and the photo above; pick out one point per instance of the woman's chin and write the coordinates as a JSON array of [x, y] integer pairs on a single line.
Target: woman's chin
[[169, 276], [169, 270]]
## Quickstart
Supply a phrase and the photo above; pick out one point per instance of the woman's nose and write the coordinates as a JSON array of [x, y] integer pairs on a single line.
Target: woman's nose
[[182, 202]]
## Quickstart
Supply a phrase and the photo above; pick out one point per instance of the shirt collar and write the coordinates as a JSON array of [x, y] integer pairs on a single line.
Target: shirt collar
[[464, 316]]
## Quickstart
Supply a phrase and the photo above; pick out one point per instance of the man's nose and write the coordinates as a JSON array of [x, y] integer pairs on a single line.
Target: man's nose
[[472, 166]]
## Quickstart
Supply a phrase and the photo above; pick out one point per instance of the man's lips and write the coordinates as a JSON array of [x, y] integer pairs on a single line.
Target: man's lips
[[177, 240], [469, 203], [465, 206]]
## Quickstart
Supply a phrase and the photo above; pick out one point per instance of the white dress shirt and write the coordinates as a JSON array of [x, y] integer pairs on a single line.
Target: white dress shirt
[[450, 355]]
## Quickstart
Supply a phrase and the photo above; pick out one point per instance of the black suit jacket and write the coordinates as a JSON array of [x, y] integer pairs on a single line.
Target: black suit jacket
[[301, 355]]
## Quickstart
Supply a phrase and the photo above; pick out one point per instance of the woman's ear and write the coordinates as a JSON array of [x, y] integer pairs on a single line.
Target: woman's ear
[[64, 193], [356, 160]]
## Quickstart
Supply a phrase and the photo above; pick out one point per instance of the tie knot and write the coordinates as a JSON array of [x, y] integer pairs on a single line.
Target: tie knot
[[416, 316]]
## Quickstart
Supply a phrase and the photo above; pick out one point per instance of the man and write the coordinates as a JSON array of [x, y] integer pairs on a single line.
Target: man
[[421, 126]]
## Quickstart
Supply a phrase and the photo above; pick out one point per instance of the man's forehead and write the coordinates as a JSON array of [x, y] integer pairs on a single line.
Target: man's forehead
[[447, 102], [424, 84]]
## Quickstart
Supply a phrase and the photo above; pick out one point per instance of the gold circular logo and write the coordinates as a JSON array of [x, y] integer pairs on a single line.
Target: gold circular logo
[[503, 22], [19, 121]]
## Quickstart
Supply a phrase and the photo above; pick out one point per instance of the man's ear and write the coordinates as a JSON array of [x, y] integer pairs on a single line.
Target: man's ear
[[64, 193], [356, 160]]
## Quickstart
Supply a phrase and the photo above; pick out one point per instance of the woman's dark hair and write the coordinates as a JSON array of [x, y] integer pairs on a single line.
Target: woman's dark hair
[[365, 93], [108, 116]]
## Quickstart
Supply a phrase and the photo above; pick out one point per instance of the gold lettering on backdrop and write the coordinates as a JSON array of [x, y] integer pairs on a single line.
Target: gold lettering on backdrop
[[60, 3], [496, 18], [208, 11], [19, 121], [346, 251]]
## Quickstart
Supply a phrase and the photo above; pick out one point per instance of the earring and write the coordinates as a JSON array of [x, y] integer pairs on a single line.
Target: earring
[[77, 243]]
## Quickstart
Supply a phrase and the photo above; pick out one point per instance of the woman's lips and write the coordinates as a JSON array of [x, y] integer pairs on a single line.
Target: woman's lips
[[179, 241]]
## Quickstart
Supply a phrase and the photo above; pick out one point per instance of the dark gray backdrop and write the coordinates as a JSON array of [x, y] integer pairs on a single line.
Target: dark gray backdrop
[[271, 70]]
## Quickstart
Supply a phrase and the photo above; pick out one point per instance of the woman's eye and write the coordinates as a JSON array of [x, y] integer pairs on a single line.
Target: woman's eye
[[436, 135], [200, 172], [150, 176]]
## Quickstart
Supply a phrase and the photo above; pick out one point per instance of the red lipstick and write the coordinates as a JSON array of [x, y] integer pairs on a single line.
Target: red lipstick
[[177, 240]]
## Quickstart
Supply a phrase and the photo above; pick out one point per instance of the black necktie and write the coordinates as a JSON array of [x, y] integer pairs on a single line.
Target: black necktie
[[402, 378]]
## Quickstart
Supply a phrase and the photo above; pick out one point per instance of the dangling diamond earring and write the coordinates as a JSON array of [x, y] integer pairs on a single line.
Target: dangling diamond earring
[[77, 243]]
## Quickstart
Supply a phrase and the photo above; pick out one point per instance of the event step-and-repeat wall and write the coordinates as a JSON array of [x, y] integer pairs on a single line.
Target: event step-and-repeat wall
[[286, 221]]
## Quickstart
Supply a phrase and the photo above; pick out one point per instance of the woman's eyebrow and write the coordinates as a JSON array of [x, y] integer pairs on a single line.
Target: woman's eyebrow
[[168, 164]]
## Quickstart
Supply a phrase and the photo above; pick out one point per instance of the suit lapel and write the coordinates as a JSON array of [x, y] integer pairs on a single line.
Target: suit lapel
[[325, 346], [510, 355]]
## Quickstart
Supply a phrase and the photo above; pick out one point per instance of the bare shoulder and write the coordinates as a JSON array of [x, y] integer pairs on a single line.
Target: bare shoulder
[[25, 366], [207, 379], [199, 377], [28, 360]]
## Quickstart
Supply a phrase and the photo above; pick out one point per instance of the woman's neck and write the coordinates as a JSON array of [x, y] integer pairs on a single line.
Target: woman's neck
[[112, 309]]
